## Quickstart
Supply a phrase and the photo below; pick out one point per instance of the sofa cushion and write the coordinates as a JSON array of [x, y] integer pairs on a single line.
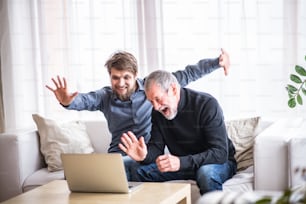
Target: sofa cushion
[[240, 182], [41, 177], [242, 133], [57, 138], [216, 197]]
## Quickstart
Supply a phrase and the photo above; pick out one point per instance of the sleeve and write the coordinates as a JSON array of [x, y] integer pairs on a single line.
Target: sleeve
[[156, 144], [91, 101], [214, 138], [194, 72]]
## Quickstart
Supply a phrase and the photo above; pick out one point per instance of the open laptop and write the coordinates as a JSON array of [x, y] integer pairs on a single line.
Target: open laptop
[[96, 173]]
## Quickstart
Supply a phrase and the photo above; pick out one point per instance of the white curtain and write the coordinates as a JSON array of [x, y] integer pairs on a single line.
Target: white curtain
[[265, 40], [71, 38], [74, 38]]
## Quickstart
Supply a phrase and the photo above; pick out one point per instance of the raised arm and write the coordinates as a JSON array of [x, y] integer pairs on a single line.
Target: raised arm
[[203, 67], [61, 92]]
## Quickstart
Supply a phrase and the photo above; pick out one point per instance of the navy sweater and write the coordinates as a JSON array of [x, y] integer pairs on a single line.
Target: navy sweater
[[197, 135]]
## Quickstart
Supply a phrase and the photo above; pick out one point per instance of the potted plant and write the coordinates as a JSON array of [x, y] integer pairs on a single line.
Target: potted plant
[[298, 88]]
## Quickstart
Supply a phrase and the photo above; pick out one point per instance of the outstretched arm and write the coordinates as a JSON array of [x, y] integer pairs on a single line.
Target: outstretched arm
[[61, 92], [203, 67]]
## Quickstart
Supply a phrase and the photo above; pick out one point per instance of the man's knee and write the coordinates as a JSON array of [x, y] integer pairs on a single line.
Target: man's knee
[[209, 178]]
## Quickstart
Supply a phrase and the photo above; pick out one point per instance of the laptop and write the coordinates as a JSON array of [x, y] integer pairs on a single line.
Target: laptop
[[96, 173]]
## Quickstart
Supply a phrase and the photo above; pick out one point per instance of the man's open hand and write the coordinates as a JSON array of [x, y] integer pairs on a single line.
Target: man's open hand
[[224, 61], [136, 149], [61, 92]]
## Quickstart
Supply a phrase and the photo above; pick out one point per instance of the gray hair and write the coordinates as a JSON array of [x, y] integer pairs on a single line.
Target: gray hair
[[161, 78]]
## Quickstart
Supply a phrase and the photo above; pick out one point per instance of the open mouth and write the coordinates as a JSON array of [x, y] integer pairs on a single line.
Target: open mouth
[[164, 110]]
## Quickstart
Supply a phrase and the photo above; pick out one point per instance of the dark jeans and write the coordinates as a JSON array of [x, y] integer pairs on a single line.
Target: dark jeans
[[131, 167], [209, 177]]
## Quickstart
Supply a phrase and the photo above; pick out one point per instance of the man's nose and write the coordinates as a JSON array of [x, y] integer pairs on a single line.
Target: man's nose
[[121, 82]]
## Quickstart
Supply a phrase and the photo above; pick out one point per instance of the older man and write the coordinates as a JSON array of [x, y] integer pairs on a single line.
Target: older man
[[191, 125]]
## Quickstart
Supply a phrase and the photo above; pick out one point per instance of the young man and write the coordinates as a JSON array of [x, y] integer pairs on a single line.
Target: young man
[[191, 125], [124, 104]]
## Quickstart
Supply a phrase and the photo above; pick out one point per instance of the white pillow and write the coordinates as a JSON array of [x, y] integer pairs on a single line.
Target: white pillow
[[55, 138], [242, 132]]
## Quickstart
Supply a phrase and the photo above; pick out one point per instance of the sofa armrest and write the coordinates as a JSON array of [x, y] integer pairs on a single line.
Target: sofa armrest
[[19, 157], [297, 161], [271, 167]]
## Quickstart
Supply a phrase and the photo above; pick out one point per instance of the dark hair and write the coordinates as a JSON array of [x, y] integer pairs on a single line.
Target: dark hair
[[122, 61]]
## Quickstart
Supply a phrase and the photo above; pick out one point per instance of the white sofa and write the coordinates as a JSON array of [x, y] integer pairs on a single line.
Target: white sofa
[[23, 167], [279, 157]]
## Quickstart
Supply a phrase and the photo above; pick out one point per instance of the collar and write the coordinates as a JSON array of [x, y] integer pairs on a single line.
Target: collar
[[182, 101]]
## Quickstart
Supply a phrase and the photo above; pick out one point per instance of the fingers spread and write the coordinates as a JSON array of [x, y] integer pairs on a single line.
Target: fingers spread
[[65, 83], [132, 137], [55, 83], [59, 81], [48, 87], [122, 147], [125, 139]]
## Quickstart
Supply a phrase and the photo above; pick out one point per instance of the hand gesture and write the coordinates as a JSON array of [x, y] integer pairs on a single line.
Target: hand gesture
[[136, 149], [168, 162], [224, 61], [61, 91]]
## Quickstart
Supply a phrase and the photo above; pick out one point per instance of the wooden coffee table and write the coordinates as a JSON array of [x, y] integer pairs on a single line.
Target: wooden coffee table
[[58, 192]]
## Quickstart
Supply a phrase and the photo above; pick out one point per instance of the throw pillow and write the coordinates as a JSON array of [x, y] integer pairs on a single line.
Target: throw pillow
[[242, 132], [55, 138]]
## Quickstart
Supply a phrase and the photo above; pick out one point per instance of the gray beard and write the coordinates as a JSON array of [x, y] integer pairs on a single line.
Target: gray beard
[[171, 117]]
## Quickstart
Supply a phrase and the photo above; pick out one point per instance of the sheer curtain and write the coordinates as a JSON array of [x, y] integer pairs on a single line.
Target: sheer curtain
[[265, 40], [74, 38], [1, 106]]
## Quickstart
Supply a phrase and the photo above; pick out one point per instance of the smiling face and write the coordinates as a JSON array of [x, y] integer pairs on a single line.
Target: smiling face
[[123, 83], [165, 102], [122, 69]]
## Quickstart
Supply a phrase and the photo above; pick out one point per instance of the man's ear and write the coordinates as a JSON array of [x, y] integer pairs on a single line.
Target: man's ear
[[173, 88]]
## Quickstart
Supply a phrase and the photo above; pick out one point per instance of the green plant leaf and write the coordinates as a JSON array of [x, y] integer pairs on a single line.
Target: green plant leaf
[[299, 99], [284, 199], [291, 102], [291, 88], [266, 200], [294, 92], [296, 79], [290, 92], [300, 70], [304, 91]]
